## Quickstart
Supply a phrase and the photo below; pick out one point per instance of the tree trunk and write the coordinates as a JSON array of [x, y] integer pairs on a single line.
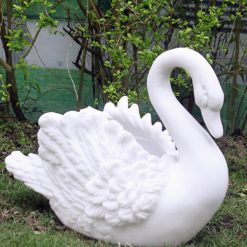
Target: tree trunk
[[12, 90], [10, 75], [234, 86], [191, 99]]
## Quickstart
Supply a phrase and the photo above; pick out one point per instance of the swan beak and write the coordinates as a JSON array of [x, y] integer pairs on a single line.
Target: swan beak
[[213, 122]]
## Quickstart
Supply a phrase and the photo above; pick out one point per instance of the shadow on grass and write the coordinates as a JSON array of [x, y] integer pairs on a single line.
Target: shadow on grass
[[17, 194]]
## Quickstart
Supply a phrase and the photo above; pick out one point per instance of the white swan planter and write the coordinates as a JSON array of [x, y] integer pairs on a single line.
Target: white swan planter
[[114, 176]]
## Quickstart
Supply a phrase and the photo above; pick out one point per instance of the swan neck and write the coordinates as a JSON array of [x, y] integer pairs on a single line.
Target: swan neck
[[183, 128]]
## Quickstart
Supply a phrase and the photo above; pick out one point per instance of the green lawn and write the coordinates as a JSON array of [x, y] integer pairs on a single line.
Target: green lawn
[[27, 221]]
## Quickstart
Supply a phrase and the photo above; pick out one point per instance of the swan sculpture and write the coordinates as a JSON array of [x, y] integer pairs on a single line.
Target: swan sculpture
[[114, 176]]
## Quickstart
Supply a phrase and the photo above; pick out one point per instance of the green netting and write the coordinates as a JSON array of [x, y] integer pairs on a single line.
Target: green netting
[[61, 9], [56, 94], [52, 91]]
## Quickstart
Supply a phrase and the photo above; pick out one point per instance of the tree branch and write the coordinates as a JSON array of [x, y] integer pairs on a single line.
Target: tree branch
[[3, 30], [32, 44], [38, 31], [5, 65], [77, 39], [83, 9]]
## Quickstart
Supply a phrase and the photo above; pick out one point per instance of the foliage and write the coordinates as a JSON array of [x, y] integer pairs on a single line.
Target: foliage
[[4, 97], [124, 39], [30, 89], [200, 35], [16, 39], [216, 33], [123, 42], [21, 8]]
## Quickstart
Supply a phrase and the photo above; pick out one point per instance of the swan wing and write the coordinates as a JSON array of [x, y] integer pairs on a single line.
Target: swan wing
[[101, 176], [151, 137], [98, 175]]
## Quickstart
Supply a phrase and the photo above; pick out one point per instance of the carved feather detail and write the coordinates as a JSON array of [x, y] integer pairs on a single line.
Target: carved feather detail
[[98, 169]]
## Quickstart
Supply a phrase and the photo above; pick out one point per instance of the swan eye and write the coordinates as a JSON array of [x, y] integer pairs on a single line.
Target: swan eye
[[215, 106], [204, 101], [201, 98]]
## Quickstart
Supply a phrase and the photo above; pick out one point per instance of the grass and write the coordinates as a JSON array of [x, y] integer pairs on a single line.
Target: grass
[[27, 220]]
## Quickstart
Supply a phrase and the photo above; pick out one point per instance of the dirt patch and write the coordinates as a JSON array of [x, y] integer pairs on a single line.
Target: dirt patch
[[235, 152], [15, 135]]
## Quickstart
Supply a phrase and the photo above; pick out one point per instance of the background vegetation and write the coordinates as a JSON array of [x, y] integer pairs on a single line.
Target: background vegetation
[[122, 38]]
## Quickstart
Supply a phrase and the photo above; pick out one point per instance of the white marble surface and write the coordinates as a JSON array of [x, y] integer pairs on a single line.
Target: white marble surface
[[114, 176]]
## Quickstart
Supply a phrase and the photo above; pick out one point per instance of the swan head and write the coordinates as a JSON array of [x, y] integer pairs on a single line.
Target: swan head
[[213, 122], [210, 97]]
